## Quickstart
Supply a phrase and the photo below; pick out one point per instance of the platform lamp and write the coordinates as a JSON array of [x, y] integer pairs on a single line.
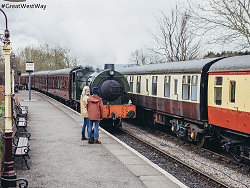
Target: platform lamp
[[8, 171]]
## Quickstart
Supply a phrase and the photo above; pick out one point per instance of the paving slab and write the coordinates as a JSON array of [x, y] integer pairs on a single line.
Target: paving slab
[[60, 159]]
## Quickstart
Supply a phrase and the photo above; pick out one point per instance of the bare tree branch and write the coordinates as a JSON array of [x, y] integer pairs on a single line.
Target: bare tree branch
[[231, 17], [175, 39], [45, 58]]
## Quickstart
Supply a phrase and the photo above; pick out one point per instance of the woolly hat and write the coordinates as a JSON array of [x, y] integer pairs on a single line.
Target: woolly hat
[[84, 90], [95, 90]]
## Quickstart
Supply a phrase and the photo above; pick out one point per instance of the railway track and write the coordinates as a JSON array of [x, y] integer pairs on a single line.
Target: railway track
[[208, 150], [210, 179]]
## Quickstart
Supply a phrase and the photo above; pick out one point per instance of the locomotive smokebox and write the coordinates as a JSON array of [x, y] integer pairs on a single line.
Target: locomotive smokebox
[[109, 67]]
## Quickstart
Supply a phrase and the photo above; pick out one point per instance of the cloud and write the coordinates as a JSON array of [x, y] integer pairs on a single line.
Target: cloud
[[96, 31]]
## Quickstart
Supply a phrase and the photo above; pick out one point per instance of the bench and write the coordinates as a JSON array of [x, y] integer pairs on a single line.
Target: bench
[[21, 122], [21, 111], [21, 146]]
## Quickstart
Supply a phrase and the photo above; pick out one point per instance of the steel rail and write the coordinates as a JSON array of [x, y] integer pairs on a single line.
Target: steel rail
[[204, 176]]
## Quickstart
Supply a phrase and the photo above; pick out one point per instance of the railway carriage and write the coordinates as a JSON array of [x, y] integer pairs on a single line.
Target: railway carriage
[[40, 80], [229, 103], [24, 80], [174, 94], [200, 100]]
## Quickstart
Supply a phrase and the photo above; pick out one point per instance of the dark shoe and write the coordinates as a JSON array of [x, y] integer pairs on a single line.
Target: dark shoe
[[89, 141], [83, 136], [97, 142]]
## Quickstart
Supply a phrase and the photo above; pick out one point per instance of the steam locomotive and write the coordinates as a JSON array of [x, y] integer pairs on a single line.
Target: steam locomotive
[[200, 100], [66, 86]]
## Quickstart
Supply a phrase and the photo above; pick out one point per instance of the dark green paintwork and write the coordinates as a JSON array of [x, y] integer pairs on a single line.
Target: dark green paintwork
[[105, 74]]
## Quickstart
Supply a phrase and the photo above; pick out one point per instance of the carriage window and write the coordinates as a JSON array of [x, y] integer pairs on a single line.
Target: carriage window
[[154, 85], [167, 80], [218, 80], [74, 77], [232, 91], [186, 87], [218, 90], [194, 88], [175, 86], [138, 84], [131, 81], [146, 85]]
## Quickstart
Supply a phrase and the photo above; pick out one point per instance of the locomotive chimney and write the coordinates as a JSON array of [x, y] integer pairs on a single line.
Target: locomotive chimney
[[109, 67]]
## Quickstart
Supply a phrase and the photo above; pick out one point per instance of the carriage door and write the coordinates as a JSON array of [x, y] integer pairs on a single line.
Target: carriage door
[[231, 118], [174, 104], [73, 85], [243, 103]]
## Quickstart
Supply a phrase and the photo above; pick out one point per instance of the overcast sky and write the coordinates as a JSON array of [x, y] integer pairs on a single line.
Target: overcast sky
[[96, 31]]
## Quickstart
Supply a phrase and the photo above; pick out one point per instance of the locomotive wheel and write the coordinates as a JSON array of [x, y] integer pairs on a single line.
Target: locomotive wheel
[[200, 140], [118, 123]]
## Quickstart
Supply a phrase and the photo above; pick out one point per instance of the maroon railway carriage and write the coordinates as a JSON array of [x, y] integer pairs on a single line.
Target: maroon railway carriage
[[24, 81], [40, 81], [173, 94], [58, 83]]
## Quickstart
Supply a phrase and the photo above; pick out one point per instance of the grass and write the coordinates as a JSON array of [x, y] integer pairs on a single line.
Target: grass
[[2, 108]]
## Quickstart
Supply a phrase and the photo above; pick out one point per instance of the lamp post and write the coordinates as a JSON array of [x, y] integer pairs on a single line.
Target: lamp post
[[8, 170], [19, 74]]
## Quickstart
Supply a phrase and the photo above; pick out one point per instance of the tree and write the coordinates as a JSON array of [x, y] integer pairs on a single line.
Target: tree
[[46, 58], [143, 57], [175, 38], [226, 53], [137, 57], [228, 18]]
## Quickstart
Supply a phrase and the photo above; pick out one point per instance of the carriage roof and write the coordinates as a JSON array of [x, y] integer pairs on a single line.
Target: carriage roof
[[235, 63], [172, 67]]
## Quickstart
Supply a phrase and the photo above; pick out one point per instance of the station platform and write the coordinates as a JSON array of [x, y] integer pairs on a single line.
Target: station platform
[[59, 158]]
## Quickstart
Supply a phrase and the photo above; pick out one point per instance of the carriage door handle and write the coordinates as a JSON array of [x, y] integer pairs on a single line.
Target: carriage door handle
[[237, 108]]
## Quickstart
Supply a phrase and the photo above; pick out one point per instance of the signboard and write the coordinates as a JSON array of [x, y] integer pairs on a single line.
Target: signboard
[[29, 67]]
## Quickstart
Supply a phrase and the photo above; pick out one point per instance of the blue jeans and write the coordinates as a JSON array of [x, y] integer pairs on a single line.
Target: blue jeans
[[97, 122], [86, 122]]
